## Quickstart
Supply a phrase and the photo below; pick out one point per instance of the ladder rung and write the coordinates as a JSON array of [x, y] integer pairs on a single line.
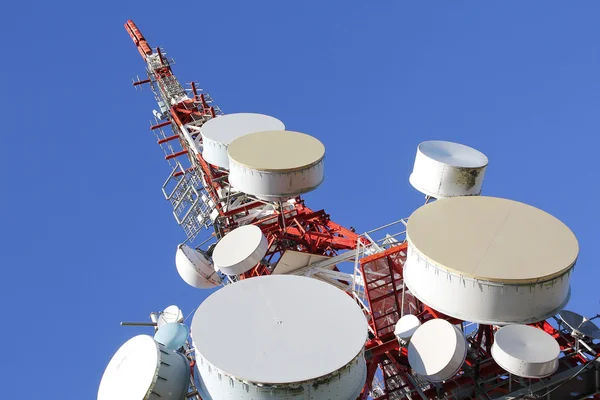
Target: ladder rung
[[152, 127], [168, 139], [179, 153]]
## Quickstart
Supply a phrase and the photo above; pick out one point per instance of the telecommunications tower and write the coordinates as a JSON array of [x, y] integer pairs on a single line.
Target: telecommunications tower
[[462, 300]]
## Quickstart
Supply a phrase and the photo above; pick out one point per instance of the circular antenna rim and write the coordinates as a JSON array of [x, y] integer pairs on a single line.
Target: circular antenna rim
[[276, 151], [453, 154], [224, 129], [526, 347], [449, 233], [406, 326], [171, 313], [217, 133], [244, 244], [436, 342], [178, 332], [579, 324], [277, 316]]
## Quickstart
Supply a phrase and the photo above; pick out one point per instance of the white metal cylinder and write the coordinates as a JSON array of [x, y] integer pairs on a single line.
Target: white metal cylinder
[[276, 165], [275, 186], [489, 260], [446, 169], [482, 301], [526, 351], [343, 384], [219, 132], [437, 350], [279, 354], [240, 250]]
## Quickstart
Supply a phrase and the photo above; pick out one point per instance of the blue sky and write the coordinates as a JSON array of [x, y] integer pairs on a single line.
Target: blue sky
[[87, 239]]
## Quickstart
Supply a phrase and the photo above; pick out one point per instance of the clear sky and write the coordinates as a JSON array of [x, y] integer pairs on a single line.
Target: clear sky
[[87, 239]]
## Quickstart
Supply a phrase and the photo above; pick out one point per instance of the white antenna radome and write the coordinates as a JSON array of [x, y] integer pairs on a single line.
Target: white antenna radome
[[446, 169], [276, 165], [219, 132]]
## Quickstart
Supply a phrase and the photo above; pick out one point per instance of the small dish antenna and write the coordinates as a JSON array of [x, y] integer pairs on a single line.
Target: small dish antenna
[[168, 315], [580, 325], [172, 335], [406, 327], [525, 351]]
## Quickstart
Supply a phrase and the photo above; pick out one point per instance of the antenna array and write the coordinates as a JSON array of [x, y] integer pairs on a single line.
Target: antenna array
[[455, 302]]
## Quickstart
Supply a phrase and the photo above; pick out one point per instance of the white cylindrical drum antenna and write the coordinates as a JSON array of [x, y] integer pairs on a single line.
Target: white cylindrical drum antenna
[[280, 317], [489, 260], [525, 351], [437, 350], [446, 169], [276, 165], [406, 327], [219, 132], [240, 250]]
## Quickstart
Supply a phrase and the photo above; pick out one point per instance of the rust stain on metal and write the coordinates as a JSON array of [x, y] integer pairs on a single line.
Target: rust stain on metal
[[467, 177]]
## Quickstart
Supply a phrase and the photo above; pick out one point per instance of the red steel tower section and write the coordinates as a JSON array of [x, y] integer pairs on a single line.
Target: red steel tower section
[[200, 189], [200, 196]]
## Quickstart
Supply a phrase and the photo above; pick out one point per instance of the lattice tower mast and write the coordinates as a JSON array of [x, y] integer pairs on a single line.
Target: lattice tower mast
[[202, 198], [200, 194]]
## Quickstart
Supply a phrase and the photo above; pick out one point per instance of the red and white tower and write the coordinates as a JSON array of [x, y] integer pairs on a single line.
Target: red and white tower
[[435, 294]]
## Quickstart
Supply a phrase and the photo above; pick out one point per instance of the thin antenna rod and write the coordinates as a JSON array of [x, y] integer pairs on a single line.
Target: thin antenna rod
[[138, 324]]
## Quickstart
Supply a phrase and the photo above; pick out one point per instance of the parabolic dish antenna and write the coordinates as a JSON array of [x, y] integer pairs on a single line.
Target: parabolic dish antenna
[[579, 324], [406, 327], [240, 250], [282, 317], [437, 350], [489, 260], [172, 335], [219, 132], [276, 165], [446, 169], [143, 369], [170, 314], [525, 351], [195, 269]]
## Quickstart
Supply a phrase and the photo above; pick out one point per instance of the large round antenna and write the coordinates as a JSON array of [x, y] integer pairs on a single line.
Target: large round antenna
[[489, 260], [219, 132], [280, 315], [276, 165]]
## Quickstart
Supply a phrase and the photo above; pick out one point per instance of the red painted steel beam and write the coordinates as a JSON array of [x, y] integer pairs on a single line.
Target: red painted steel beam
[[371, 370], [195, 91], [168, 139], [138, 39], [383, 348], [179, 153], [162, 124], [141, 82], [162, 61]]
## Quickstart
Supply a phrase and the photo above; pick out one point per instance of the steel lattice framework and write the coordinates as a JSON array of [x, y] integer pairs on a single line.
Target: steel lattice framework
[[202, 199]]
